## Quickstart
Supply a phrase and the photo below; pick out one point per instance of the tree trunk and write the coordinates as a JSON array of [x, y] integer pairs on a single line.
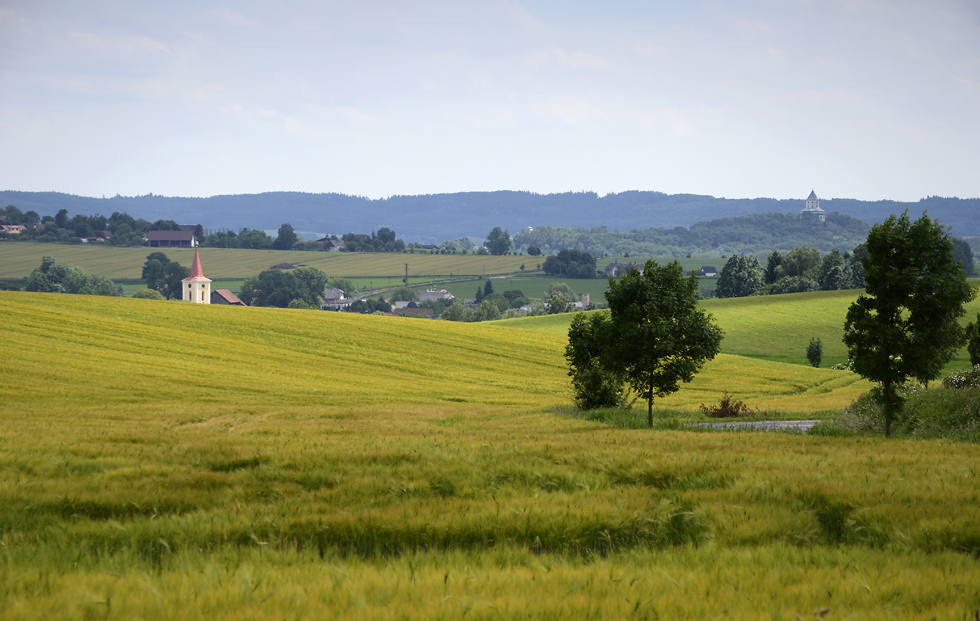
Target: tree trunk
[[887, 404], [650, 407]]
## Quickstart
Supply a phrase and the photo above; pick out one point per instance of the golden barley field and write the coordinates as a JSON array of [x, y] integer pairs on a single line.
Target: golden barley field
[[165, 460]]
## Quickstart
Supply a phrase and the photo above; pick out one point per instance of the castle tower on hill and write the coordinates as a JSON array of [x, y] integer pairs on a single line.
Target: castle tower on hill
[[196, 287], [812, 208]]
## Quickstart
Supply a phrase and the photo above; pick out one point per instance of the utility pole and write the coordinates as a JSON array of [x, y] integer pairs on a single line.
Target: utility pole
[[406, 274]]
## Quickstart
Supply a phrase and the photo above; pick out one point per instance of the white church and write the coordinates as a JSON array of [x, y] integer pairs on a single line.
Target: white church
[[812, 208], [197, 288]]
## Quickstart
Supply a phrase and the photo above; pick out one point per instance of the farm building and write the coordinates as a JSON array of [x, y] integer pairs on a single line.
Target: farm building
[[171, 239], [226, 297]]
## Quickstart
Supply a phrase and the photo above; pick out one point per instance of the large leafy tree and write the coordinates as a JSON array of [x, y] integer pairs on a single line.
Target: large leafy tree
[[278, 288], [832, 276], [171, 286], [741, 276], [285, 238], [570, 263], [153, 269], [498, 241], [659, 335], [255, 240], [906, 325], [55, 277]]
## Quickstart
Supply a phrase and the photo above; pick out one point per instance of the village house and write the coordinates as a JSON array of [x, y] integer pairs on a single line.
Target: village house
[[618, 269], [708, 271], [402, 311], [432, 294], [170, 239], [331, 245], [334, 299], [106, 236]]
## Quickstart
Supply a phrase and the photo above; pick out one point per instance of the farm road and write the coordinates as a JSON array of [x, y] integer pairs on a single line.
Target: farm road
[[764, 425]]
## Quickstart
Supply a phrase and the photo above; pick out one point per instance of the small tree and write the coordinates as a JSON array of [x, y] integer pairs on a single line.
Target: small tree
[[973, 341], [814, 352], [906, 324], [594, 382], [404, 294], [772, 267], [659, 335], [558, 303]]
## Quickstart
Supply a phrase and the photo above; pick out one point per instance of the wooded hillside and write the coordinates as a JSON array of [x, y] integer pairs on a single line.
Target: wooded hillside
[[437, 217]]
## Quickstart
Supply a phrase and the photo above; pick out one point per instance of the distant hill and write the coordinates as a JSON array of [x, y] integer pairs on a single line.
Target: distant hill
[[749, 234], [433, 218]]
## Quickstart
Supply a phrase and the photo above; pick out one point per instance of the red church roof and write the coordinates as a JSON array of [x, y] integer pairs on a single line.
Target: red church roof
[[197, 274]]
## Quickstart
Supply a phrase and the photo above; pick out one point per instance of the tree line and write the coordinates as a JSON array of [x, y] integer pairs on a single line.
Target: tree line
[[802, 269]]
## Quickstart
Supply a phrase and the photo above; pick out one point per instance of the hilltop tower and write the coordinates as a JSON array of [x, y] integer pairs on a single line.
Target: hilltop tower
[[812, 208], [197, 288]]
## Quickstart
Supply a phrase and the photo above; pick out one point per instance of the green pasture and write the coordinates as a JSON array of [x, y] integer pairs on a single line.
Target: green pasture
[[163, 460], [776, 328], [18, 259]]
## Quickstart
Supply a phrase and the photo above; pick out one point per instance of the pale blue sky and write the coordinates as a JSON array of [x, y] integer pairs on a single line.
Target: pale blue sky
[[868, 99]]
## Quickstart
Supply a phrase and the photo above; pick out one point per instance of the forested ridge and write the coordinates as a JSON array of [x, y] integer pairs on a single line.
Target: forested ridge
[[433, 218], [744, 234]]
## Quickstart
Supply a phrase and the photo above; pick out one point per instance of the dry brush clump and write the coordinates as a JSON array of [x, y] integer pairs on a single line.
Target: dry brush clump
[[729, 407]]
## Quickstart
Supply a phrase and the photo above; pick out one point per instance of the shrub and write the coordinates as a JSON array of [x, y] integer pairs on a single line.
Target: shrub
[[729, 408], [947, 412], [966, 379], [149, 294]]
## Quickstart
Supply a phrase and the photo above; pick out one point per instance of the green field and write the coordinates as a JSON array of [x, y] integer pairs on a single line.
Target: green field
[[776, 328], [162, 460], [460, 274], [18, 259]]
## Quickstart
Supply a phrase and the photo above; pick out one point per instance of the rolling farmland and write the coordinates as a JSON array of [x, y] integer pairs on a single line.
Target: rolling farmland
[[161, 459], [17, 260]]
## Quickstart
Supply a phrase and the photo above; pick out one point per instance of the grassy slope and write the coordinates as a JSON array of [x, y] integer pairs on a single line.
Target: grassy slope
[[18, 259], [161, 459], [777, 328]]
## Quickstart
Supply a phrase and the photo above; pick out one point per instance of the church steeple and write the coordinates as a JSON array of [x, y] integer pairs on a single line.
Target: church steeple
[[197, 288]]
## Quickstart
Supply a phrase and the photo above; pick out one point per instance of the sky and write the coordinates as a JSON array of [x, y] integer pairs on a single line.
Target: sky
[[865, 99]]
